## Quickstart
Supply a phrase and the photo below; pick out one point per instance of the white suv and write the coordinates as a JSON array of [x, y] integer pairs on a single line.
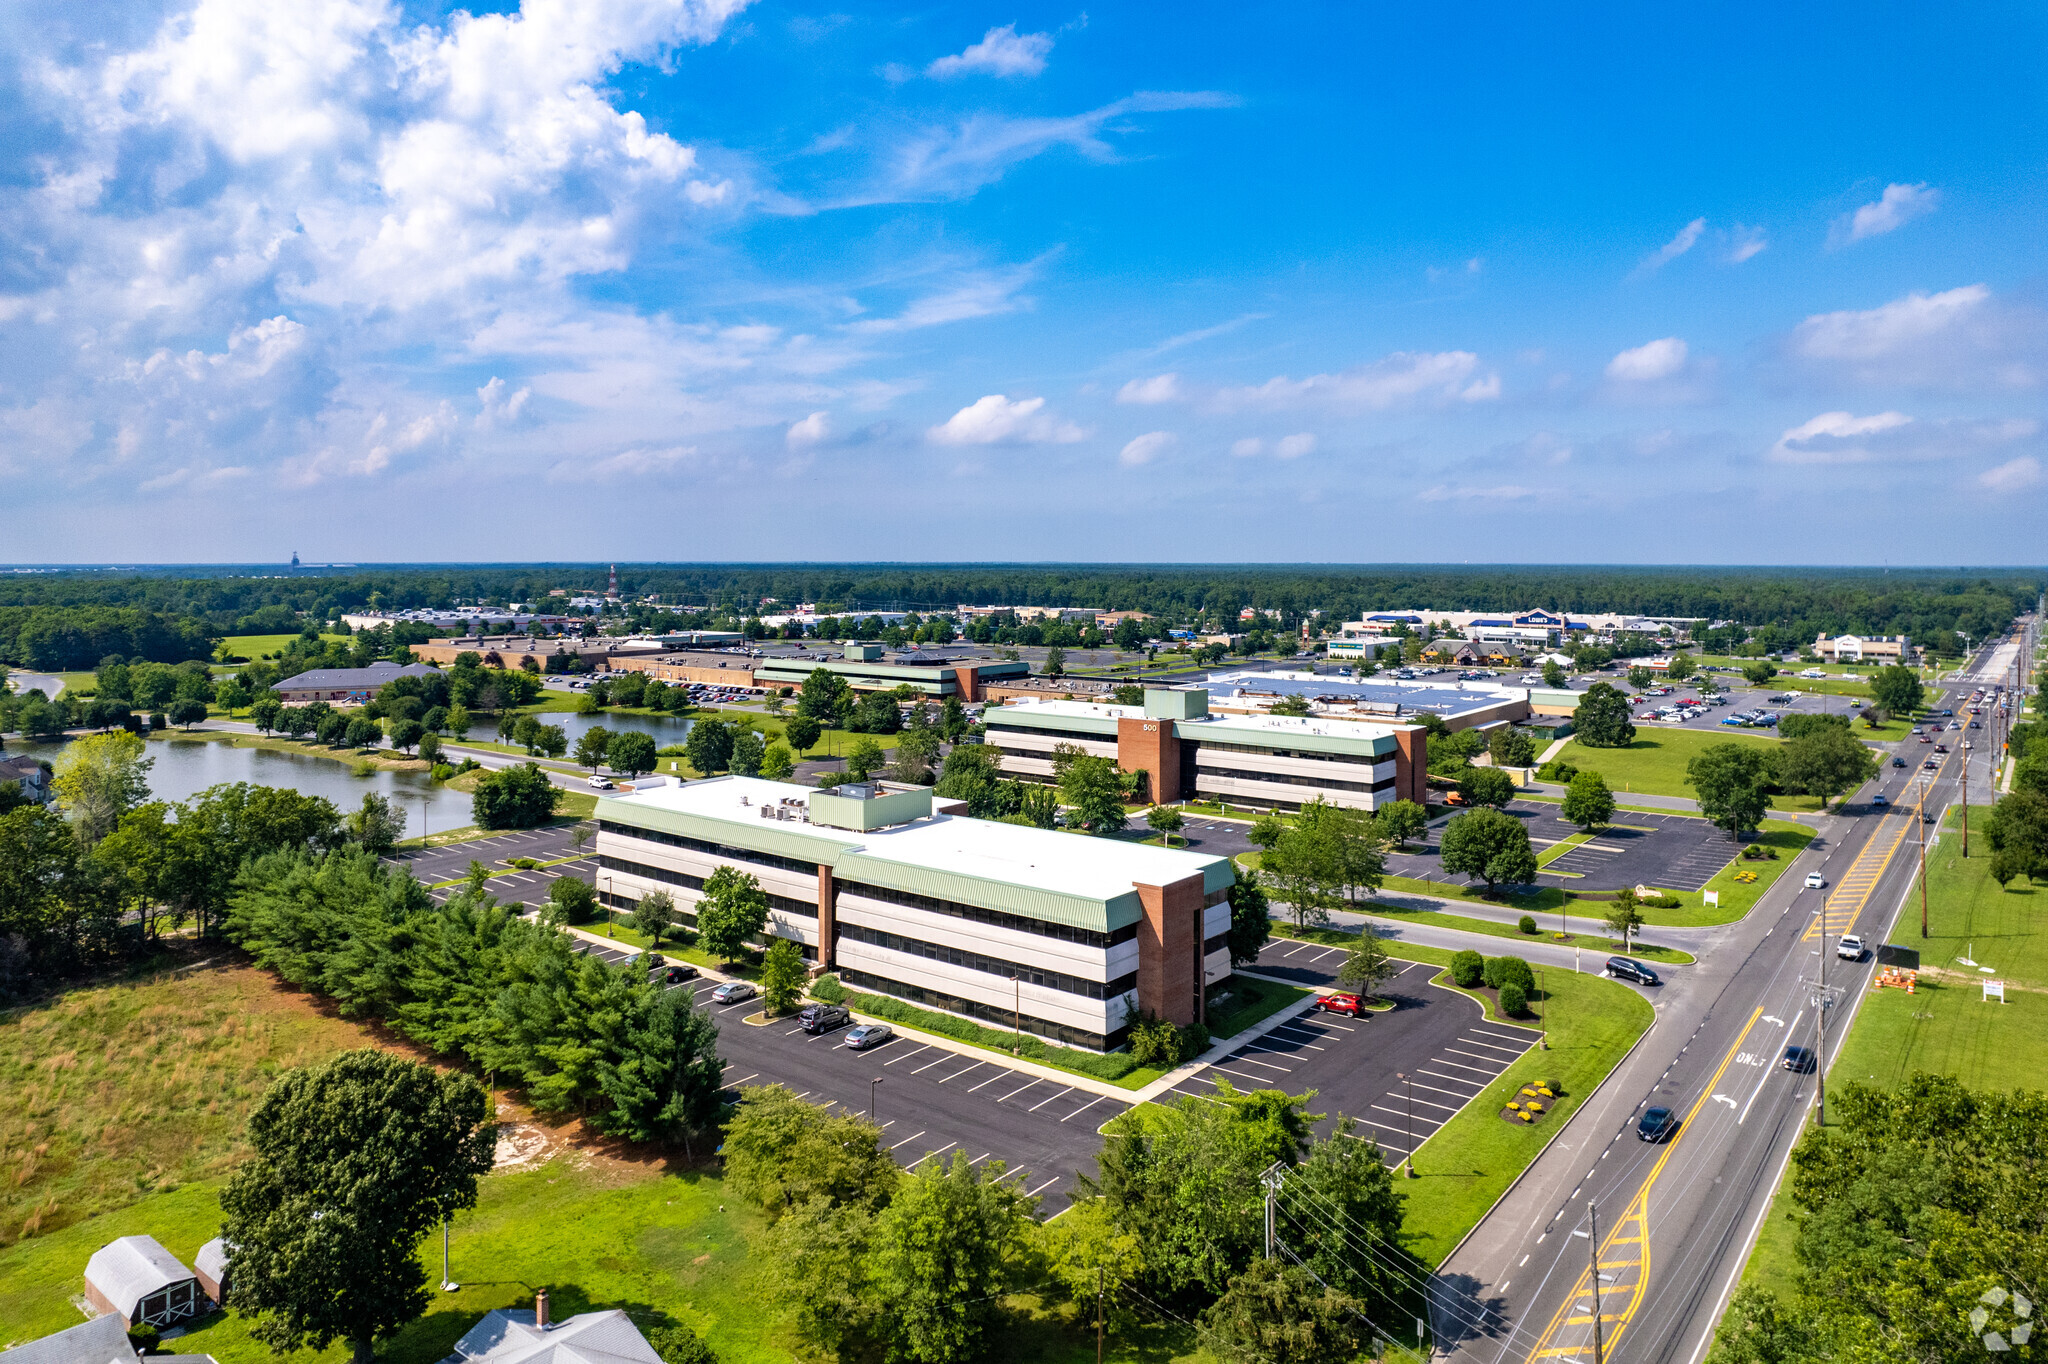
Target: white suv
[[599, 784]]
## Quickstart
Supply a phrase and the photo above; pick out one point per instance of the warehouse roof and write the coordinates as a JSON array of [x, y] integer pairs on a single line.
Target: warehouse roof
[[353, 679]]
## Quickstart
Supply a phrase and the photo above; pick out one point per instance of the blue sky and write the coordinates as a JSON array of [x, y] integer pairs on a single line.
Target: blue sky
[[704, 280]]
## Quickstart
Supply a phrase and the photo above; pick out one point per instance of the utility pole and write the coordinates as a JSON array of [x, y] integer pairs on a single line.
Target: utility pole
[[1820, 1026], [1543, 1018], [1966, 799], [1593, 1221], [1920, 818], [1271, 1179]]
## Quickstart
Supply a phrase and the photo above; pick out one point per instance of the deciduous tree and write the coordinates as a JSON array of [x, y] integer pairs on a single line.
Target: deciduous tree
[[1588, 802], [733, 910], [350, 1165], [1732, 784], [1490, 844], [1602, 719]]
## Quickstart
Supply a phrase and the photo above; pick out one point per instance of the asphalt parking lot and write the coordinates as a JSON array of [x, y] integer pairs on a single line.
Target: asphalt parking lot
[[451, 862], [930, 1101], [525, 887], [1439, 1039], [1669, 851]]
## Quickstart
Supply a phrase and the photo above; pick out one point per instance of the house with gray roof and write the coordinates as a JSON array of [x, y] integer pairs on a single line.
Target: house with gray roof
[[507, 1337]]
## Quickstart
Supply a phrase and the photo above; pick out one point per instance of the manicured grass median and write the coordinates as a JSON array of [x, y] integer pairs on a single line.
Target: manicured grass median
[[1470, 1161]]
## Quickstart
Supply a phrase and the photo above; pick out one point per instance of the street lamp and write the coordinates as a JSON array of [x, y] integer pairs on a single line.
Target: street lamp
[[1543, 1018], [871, 1095], [1407, 1121], [1016, 1017]]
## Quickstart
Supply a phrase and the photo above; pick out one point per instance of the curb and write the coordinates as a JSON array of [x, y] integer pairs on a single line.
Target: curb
[[1221, 1048]]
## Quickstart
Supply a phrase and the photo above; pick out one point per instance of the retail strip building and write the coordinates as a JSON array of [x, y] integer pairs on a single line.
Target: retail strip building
[[1264, 761], [1067, 934]]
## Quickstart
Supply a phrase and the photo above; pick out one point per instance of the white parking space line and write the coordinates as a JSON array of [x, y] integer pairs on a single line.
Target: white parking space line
[[907, 1055], [755, 1076], [1043, 1102], [1242, 1075], [980, 1158], [1454, 1079], [912, 1137], [1085, 1107], [999, 1075], [1493, 1046], [1246, 1060], [1448, 1108], [1382, 1126], [1439, 1061], [1434, 1090], [1033, 1193], [929, 1154], [1019, 1090], [1425, 1126], [943, 1058], [958, 1073]]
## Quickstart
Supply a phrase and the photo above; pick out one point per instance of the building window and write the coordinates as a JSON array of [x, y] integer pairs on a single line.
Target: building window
[[1077, 735], [784, 903], [937, 999], [719, 850], [1290, 779], [1369, 759], [994, 966], [995, 918]]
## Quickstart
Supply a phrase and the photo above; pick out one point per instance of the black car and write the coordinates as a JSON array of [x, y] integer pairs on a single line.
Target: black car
[[1628, 968], [823, 1017], [1657, 1123], [1798, 1058], [676, 972], [1898, 762]]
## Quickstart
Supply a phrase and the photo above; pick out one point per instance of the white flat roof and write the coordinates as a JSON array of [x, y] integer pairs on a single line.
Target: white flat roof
[[1047, 859], [1264, 724]]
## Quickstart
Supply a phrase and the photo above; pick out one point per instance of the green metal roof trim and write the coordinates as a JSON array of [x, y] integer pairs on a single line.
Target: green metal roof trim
[[1023, 718], [761, 835], [1076, 911], [1222, 731]]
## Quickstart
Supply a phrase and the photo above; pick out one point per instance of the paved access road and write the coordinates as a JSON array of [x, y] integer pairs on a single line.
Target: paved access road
[[1675, 1219]]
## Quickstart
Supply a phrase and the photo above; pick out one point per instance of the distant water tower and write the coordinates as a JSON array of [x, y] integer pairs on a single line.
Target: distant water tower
[[611, 584], [295, 561]]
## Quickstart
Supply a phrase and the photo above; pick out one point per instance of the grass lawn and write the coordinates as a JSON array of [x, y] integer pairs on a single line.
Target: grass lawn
[[81, 684], [1560, 848], [1945, 1026], [139, 1086], [253, 647], [1470, 1161], [1655, 763], [1494, 929]]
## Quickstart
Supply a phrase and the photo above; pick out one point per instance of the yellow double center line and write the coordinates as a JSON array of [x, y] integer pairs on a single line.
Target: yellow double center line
[[1632, 1229], [1848, 900]]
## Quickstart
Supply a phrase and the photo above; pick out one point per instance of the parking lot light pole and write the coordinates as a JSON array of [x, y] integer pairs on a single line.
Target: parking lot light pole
[[1016, 1017], [1543, 1018], [1407, 1122], [871, 1095]]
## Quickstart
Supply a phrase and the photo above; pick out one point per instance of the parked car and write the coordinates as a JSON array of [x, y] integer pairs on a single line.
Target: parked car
[[1628, 968], [677, 972], [1798, 1059], [1339, 1004], [600, 784], [1657, 1123], [732, 992], [1814, 880], [1849, 948], [817, 1018], [865, 1035]]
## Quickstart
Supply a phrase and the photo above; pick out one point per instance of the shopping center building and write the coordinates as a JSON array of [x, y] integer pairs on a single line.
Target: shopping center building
[[1067, 935], [1257, 760]]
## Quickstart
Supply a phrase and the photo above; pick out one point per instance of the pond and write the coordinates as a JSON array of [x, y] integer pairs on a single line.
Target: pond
[[665, 729], [185, 767]]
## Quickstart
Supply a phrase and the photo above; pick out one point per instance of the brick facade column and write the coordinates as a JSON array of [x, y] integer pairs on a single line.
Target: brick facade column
[[1150, 746], [967, 682], [1170, 950], [828, 919], [1411, 765]]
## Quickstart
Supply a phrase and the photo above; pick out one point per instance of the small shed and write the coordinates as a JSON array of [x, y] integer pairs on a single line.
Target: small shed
[[210, 1267], [137, 1280]]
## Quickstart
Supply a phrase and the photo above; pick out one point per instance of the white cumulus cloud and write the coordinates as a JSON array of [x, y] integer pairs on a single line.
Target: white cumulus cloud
[[1673, 249], [1877, 333], [1744, 243], [2013, 475], [999, 420], [1001, 52], [810, 431], [1146, 448], [1295, 446], [1160, 388], [1962, 339], [1649, 362], [1899, 205], [1836, 438]]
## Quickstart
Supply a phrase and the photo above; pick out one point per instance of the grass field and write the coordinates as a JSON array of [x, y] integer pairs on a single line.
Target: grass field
[[1470, 1161], [1592, 942], [253, 647], [133, 1088], [1655, 763]]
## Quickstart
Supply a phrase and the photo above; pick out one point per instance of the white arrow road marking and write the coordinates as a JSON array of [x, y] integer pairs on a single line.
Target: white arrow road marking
[[1724, 1099], [1773, 1018]]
